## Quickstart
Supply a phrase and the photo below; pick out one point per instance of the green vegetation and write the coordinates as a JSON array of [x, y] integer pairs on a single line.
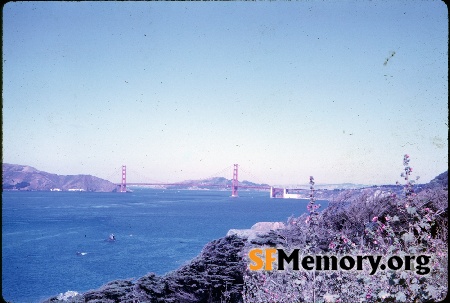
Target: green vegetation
[[369, 224]]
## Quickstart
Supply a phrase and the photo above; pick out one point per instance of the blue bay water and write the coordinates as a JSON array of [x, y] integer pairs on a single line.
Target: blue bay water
[[156, 231]]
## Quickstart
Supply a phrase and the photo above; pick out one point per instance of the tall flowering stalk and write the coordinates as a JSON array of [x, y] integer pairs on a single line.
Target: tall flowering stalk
[[313, 222], [408, 188], [312, 206]]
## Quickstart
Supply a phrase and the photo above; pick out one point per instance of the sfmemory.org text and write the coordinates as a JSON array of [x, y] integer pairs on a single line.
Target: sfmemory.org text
[[264, 259]]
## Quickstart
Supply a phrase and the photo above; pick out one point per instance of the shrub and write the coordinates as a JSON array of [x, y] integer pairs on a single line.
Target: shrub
[[370, 223]]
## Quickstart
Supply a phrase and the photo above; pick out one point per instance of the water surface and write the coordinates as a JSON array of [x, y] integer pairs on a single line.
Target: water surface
[[156, 231]]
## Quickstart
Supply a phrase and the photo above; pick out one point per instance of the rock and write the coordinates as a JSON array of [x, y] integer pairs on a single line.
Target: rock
[[216, 275], [267, 226], [67, 295], [257, 230]]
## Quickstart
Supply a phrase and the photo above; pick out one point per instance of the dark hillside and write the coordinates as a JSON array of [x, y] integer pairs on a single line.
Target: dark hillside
[[439, 181]]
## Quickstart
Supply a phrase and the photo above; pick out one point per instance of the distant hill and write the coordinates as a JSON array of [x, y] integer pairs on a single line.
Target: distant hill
[[332, 191], [326, 186], [23, 177], [439, 181], [211, 183]]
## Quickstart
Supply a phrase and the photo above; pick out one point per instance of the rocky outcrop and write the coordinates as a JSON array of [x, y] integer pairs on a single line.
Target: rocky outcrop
[[257, 230], [23, 177], [216, 275]]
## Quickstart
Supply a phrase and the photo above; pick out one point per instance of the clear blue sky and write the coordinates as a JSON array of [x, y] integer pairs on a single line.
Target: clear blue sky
[[182, 90]]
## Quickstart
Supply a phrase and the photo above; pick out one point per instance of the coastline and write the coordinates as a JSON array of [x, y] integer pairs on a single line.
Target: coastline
[[220, 273]]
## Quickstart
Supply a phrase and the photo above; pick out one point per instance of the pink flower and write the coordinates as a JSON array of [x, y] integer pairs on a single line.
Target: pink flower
[[387, 218], [375, 219], [375, 242]]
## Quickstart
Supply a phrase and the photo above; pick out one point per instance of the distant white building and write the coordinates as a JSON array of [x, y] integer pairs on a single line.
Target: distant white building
[[283, 193], [75, 189]]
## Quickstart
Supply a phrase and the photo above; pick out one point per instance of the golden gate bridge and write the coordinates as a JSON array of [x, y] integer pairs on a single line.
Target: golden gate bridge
[[275, 192]]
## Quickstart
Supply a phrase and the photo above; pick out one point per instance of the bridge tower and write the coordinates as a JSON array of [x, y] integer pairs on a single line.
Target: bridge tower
[[235, 182], [123, 185]]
